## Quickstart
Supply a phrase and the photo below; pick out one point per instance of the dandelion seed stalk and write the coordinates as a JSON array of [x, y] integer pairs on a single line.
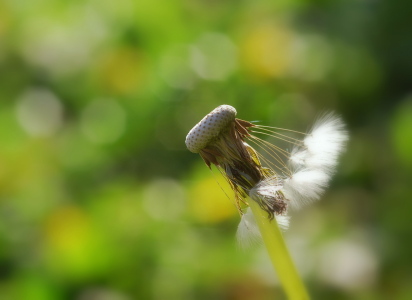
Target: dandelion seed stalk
[[284, 179], [279, 255]]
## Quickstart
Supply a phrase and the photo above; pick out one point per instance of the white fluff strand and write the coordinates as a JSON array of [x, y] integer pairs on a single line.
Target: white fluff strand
[[305, 186], [248, 233], [322, 145], [315, 162]]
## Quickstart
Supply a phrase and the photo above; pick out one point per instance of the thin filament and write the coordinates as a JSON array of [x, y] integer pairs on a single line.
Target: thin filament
[[271, 164], [265, 128], [292, 140], [230, 181], [266, 146], [275, 134], [218, 183], [279, 128], [274, 147], [270, 152]]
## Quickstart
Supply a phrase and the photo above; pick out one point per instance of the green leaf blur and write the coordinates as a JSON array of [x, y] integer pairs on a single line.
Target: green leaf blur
[[99, 197]]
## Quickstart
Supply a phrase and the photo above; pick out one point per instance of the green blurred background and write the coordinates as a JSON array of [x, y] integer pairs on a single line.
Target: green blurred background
[[99, 198]]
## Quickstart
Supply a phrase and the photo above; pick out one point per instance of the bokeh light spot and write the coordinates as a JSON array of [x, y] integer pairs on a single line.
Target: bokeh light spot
[[266, 50], [164, 199], [73, 247], [175, 68], [120, 71], [313, 57], [62, 46], [348, 264], [103, 121], [214, 56], [39, 112]]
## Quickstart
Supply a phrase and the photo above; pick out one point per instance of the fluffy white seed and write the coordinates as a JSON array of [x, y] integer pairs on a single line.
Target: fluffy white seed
[[325, 142], [209, 127], [305, 186], [323, 145], [316, 161], [266, 188], [248, 233], [283, 221]]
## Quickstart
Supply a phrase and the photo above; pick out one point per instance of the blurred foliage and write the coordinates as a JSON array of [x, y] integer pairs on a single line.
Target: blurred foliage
[[99, 199]]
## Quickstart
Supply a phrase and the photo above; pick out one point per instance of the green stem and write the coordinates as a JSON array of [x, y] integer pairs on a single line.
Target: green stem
[[279, 255]]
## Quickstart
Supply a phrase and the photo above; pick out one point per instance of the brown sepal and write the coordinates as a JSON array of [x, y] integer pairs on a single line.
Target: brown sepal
[[242, 126]]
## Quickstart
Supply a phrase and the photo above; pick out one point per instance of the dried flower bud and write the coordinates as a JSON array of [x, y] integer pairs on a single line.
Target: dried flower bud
[[219, 138]]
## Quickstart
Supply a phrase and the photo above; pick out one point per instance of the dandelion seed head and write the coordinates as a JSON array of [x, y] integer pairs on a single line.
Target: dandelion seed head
[[209, 127], [273, 177]]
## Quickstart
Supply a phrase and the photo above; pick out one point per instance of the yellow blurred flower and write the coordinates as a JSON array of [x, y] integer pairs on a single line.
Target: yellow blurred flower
[[120, 71], [73, 246], [266, 50], [208, 204]]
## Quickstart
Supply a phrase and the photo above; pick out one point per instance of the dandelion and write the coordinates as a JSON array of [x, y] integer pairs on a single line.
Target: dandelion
[[273, 178]]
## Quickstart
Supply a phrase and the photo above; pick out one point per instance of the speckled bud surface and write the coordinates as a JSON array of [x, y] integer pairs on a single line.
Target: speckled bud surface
[[209, 127]]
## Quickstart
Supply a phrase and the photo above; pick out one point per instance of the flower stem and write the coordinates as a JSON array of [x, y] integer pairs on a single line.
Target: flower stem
[[279, 255]]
